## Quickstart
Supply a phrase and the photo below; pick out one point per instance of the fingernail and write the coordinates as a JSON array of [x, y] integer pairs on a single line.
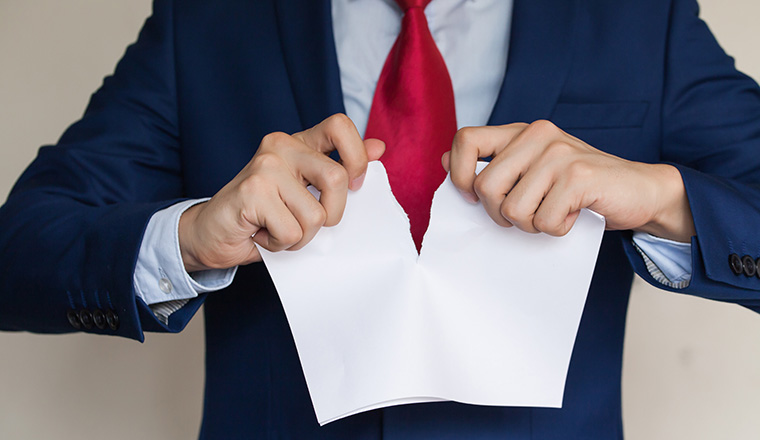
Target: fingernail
[[357, 183], [470, 197]]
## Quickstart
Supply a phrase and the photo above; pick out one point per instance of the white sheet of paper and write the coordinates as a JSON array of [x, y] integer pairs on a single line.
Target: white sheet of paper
[[485, 315]]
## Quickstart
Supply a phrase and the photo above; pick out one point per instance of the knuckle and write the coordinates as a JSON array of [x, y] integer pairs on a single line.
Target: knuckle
[[336, 176], [459, 181], [549, 225], [290, 236], [542, 126], [486, 187], [512, 211], [253, 184], [558, 149], [578, 170], [316, 217], [272, 140], [267, 161], [464, 137], [338, 122], [480, 186], [543, 224]]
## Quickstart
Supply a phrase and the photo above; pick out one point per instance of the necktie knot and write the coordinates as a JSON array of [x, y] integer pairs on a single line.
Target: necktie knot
[[406, 5]]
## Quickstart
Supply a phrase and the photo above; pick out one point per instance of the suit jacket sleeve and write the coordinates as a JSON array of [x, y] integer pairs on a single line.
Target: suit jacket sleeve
[[72, 226], [711, 132]]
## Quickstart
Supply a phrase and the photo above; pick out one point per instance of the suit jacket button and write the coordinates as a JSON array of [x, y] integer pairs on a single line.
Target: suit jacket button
[[74, 319], [86, 318], [757, 264], [113, 319], [99, 318], [750, 269], [736, 264]]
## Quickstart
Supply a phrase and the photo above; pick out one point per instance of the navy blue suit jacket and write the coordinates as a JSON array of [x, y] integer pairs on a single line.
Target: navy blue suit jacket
[[192, 98]]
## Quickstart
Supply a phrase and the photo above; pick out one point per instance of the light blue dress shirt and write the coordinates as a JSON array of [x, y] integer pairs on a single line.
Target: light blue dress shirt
[[473, 37]]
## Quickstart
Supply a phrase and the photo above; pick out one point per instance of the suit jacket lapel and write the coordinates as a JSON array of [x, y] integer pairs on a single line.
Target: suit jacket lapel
[[305, 28], [540, 53]]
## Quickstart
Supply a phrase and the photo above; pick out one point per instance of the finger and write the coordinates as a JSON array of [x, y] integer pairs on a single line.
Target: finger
[[542, 168], [446, 161], [280, 230], [560, 208], [375, 148], [523, 200], [338, 132], [472, 143], [329, 177], [491, 192], [303, 164], [309, 213], [497, 180]]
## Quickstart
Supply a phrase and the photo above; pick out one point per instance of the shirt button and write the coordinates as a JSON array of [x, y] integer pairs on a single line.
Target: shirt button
[[165, 285]]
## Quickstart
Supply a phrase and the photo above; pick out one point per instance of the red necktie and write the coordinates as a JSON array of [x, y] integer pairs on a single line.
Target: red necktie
[[413, 112]]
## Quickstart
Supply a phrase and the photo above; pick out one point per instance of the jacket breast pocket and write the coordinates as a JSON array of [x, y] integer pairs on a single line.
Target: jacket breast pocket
[[615, 127], [609, 115]]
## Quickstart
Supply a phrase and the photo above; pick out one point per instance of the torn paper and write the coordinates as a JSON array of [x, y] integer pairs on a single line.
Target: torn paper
[[484, 315]]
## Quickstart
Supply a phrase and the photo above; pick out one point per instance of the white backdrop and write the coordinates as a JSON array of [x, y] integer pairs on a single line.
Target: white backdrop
[[692, 367]]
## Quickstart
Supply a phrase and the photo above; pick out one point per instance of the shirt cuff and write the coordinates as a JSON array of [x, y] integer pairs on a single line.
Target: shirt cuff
[[668, 261], [160, 278]]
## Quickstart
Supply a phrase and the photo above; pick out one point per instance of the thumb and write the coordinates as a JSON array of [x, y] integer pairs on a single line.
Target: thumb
[[375, 148]]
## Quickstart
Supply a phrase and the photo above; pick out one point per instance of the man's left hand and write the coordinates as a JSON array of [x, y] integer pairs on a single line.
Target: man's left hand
[[540, 178]]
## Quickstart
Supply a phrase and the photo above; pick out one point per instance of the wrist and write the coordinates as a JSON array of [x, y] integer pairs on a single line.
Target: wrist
[[672, 218], [186, 239]]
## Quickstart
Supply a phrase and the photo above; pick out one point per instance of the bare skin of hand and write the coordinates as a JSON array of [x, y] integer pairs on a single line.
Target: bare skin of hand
[[268, 199], [540, 178]]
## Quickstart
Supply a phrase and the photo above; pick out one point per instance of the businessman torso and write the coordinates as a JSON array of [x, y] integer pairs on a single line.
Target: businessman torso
[[206, 81], [278, 72]]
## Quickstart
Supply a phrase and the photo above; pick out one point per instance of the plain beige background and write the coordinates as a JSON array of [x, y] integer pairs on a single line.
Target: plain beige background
[[692, 367]]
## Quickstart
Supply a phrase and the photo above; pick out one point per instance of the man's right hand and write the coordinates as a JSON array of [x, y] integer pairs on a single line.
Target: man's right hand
[[268, 203]]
